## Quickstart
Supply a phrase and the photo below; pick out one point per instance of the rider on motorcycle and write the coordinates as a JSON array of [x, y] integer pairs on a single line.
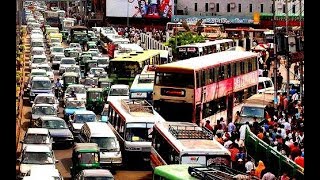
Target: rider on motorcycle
[[58, 87]]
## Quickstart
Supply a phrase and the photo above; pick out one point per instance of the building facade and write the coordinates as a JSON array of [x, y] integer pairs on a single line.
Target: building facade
[[235, 7]]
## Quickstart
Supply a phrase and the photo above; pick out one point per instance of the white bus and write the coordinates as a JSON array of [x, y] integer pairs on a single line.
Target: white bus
[[199, 49], [185, 143], [132, 121]]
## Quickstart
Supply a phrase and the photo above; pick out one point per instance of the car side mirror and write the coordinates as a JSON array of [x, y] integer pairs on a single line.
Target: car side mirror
[[21, 141], [57, 161], [19, 160]]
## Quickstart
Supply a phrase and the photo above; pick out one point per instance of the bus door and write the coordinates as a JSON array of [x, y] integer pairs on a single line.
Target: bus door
[[229, 106]]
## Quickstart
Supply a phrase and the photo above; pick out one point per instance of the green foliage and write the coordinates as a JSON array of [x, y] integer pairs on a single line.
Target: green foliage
[[184, 38]]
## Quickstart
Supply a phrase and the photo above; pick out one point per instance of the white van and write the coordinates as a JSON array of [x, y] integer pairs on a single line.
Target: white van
[[102, 134], [118, 91], [265, 84]]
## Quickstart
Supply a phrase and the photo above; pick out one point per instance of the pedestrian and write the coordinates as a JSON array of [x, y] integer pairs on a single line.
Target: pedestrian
[[240, 166], [299, 160], [219, 138], [233, 153], [249, 165], [279, 81], [260, 134], [208, 126], [284, 176], [268, 176], [259, 169], [237, 117], [231, 126], [242, 130]]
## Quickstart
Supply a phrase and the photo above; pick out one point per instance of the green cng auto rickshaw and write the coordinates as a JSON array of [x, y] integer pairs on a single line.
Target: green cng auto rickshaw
[[84, 58], [105, 84], [90, 82], [85, 156], [89, 64], [70, 78], [75, 54], [95, 100], [67, 50]]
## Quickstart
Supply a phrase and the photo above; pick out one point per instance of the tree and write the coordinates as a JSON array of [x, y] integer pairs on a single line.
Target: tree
[[184, 38]]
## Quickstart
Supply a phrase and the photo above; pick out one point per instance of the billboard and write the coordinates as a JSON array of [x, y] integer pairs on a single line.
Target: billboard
[[154, 9]]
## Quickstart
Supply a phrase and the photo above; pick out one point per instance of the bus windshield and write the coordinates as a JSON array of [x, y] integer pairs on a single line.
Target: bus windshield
[[175, 79], [126, 68], [138, 132]]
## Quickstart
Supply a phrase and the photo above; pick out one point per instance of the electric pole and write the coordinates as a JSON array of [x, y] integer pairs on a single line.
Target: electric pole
[[275, 60], [287, 50]]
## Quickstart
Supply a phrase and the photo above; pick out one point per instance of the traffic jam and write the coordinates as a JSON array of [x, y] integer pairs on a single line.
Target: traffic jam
[[99, 104]]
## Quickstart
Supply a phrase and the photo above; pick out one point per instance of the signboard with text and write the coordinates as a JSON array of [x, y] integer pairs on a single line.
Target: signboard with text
[[214, 19]]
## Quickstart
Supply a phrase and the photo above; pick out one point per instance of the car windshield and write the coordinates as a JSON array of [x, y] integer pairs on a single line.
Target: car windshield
[[252, 111], [44, 110], [82, 118], [98, 178], [75, 104], [102, 61], [138, 131], [96, 70], [37, 158], [54, 124], [46, 68], [94, 95], [88, 158], [104, 85], [106, 143], [70, 79], [55, 40], [94, 53], [74, 46], [57, 49], [44, 100], [58, 58], [91, 82], [72, 69], [79, 90], [119, 92], [38, 74], [37, 52], [39, 85], [68, 61], [39, 60], [36, 139]]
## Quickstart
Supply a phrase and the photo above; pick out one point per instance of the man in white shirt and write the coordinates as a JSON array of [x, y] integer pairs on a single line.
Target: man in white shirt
[[249, 165], [242, 130]]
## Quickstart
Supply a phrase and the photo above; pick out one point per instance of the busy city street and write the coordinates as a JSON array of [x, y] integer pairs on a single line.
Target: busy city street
[[159, 90]]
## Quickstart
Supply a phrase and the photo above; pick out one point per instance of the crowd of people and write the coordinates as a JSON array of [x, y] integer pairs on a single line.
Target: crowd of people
[[282, 129]]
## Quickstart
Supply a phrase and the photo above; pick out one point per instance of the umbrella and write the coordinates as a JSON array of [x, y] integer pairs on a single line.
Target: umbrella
[[258, 47]]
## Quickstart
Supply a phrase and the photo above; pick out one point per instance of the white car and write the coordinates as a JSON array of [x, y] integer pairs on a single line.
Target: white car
[[37, 43], [56, 50], [36, 156], [66, 62], [76, 46], [37, 60], [37, 136], [46, 98], [37, 51], [48, 69], [39, 110], [56, 58], [97, 72], [79, 90], [35, 172]]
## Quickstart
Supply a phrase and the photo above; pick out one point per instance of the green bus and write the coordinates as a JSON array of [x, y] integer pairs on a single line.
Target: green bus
[[173, 172], [123, 69]]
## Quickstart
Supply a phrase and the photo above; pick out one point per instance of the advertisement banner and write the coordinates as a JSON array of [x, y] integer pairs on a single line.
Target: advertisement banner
[[154, 9]]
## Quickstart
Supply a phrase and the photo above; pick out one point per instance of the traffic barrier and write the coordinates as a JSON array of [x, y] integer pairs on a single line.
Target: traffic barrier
[[272, 159]]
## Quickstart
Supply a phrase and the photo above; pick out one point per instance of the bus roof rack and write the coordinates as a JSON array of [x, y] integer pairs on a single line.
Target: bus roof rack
[[217, 172], [190, 132], [136, 106]]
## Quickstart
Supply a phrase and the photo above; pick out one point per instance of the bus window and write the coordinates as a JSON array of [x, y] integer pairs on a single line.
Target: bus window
[[214, 48], [245, 66], [208, 77], [229, 74], [241, 68], [221, 73], [203, 78], [212, 76], [234, 69], [254, 64], [250, 65], [180, 80]]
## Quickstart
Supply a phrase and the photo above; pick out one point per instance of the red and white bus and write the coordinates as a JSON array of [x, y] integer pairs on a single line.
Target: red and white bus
[[185, 143], [199, 49], [206, 87]]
